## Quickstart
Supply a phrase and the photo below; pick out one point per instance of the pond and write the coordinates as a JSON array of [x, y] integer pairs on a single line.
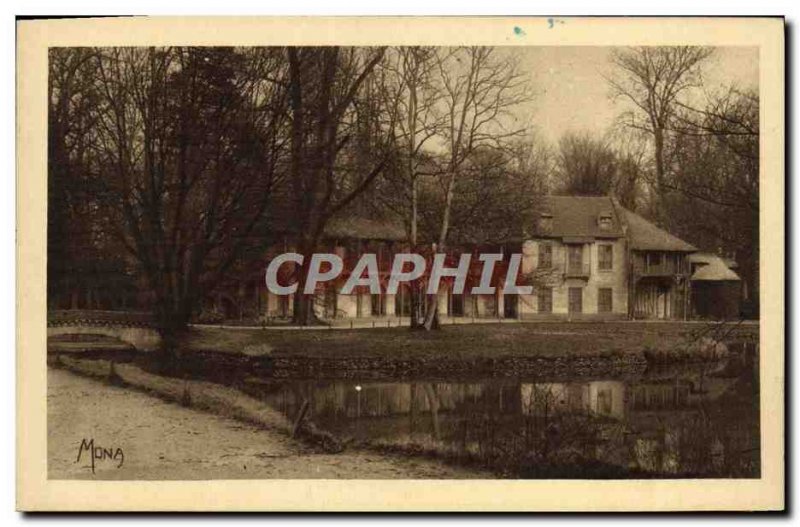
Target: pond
[[668, 422]]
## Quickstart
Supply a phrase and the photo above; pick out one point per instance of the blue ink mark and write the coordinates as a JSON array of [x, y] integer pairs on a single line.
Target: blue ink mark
[[518, 31]]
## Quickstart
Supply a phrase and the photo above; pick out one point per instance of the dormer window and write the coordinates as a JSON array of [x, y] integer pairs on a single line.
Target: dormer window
[[546, 221], [605, 221]]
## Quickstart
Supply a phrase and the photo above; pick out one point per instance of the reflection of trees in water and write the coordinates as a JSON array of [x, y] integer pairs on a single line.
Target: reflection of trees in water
[[668, 425], [529, 433], [717, 438], [433, 404]]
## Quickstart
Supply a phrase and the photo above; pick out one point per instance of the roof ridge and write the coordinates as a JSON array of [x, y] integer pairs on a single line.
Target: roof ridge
[[671, 238]]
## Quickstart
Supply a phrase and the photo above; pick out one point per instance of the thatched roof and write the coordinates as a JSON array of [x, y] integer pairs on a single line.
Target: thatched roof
[[645, 236], [712, 268]]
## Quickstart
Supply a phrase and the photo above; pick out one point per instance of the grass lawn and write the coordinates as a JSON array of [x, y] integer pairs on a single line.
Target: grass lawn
[[462, 341]]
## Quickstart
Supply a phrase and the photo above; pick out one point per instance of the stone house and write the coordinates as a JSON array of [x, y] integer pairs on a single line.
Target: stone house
[[576, 258], [658, 270], [586, 258]]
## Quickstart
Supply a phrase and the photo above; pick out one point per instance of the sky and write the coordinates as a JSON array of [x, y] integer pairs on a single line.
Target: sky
[[571, 92]]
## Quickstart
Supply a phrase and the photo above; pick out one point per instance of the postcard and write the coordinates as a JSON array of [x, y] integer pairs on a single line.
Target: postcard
[[400, 264]]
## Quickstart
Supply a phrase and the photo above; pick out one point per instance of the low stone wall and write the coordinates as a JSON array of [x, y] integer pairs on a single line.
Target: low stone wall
[[442, 369]]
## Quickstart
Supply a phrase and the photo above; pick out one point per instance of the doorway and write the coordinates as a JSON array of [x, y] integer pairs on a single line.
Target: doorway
[[510, 306], [576, 300], [456, 305]]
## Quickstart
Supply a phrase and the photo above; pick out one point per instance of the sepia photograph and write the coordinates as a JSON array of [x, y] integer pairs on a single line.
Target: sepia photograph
[[460, 261]]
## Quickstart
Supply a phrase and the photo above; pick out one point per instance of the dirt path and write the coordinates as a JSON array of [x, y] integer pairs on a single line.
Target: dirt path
[[160, 440]]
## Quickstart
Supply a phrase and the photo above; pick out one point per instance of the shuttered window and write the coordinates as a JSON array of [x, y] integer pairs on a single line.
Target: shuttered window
[[545, 256], [575, 300], [605, 259], [545, 297], [605, 300]]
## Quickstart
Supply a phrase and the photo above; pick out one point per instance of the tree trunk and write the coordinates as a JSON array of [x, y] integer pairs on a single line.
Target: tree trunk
[[173, 322], [416, 300], [433, 401], [432, 313], [659, 160], [416, 297], [432, 307], [303, 313]]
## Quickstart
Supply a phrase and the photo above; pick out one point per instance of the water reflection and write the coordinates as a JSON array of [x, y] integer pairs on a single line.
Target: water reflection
[[699, 422]]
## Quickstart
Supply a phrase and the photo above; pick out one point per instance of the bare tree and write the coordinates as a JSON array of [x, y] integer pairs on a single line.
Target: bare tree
[[481, 86], [422, 120], [653, 79], [75, 252], [414, 86], [634, 168], [499, 195], [191, 141], [729, 121], [324, 87], [586, 166], [716, 180]]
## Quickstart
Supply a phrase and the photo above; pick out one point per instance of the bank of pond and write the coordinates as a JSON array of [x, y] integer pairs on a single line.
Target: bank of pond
[[603, 415]]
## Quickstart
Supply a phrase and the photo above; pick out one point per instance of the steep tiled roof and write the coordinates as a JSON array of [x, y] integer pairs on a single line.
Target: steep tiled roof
[[712, 268], [578, 216], [644, 236]]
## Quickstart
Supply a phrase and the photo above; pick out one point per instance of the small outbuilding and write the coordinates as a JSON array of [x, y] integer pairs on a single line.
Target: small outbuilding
[[715, 287]]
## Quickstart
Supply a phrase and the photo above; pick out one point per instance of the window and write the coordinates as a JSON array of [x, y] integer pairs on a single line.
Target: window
[[640, 398], [604, 221], [402, 302], [576, 300], [605, 300], [283, 305], [604, 405], [605, 260], [331, 299], [654, 260], [378, 305], [575, 258], [545, 256], [545, 298], [457, 304], [546, 222]]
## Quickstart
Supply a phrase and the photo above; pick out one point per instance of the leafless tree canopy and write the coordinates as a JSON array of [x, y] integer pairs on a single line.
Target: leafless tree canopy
[[187, 158], [168, 165], [653, 79]]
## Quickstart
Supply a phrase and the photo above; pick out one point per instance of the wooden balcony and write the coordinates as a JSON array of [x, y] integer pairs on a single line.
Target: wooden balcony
[[660, 264], [665, 269]]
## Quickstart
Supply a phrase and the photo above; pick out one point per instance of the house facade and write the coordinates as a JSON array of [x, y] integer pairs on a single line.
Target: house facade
[[586, 258], [576, 260], [659, 270]]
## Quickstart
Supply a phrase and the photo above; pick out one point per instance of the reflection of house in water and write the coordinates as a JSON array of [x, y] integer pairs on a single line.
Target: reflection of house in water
[[349, 400], [390, 399], [604, 398], [663, 425], [668, 424]]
